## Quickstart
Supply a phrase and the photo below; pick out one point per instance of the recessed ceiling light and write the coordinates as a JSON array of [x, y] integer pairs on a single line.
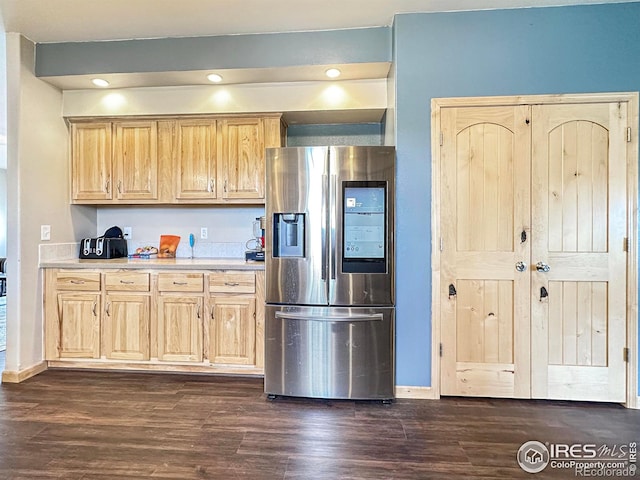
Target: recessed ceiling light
[[214, 77], [99, 82], [332, 73]]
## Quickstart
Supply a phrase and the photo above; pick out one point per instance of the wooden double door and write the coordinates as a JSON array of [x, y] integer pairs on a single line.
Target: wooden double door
[[533, 226]]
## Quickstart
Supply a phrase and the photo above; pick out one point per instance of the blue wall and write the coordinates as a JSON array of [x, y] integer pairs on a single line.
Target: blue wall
[[500, 52]]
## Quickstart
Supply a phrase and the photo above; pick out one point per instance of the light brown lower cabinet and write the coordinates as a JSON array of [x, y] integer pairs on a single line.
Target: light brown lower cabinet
[[233, 320], [79, 325], [190, 321], [127, 316], [180, 328], [126, 327]]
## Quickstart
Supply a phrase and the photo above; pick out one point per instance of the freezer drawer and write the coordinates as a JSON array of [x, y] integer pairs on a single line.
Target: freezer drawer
[[330, 352]]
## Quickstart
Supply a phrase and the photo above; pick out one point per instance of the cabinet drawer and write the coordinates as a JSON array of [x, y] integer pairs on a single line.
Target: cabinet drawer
[[232, 282], [126, 281], [78, 280], [180, 282]]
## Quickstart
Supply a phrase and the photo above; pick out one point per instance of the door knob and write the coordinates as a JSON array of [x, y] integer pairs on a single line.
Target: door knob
[[521, 266], [542, 267]]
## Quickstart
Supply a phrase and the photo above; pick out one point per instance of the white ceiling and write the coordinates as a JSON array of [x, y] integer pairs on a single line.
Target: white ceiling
[[84, 20]]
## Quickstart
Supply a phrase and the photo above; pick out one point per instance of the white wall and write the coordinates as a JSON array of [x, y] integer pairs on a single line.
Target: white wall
[[229, 228], [3, 212], [37, 194]]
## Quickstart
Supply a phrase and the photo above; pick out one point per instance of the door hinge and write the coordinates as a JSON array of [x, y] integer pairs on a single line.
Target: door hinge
[[625, 354], [628, 134], [441, 138], [625, 244], [441, 349]]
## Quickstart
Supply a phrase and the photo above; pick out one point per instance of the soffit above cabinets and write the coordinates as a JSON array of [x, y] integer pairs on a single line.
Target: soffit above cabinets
[[348, 101], [302, 73]]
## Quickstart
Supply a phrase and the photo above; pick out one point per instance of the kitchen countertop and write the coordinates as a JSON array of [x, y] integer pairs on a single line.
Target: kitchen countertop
[[158, 264]]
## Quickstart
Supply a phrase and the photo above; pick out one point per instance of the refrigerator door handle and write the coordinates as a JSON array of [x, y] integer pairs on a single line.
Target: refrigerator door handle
[[325, 220], [377, 317], [332, 213]]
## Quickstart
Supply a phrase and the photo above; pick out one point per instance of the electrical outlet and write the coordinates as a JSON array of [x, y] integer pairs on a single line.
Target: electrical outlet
[[45, 232], [127, 233], [204, 233]]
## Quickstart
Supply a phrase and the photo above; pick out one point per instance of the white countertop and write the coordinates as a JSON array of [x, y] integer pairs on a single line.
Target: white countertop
[[158, 264]]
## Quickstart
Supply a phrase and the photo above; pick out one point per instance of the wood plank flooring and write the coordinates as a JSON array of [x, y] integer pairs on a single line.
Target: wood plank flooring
[[104, 425]]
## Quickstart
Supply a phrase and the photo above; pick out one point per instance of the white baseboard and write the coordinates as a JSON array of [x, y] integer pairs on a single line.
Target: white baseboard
[[9, 376], [422, 393]]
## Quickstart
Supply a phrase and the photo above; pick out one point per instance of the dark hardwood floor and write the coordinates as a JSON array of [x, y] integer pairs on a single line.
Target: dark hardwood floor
[[96, 425]]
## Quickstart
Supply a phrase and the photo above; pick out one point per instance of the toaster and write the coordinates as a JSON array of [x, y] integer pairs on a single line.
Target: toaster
[[102, 247]]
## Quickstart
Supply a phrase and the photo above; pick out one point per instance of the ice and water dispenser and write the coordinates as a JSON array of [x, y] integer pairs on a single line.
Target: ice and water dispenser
[[288, 234]]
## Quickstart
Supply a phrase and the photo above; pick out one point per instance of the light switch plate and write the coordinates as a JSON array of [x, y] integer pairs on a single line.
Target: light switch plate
[[45, 232], [127, 233]]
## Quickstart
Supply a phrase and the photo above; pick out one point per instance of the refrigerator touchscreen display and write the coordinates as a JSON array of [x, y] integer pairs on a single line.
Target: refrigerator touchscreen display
[[364, 227]]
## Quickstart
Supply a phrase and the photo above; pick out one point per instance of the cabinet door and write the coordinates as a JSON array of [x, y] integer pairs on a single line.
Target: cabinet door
[[242, 172], [232, 331], [79, 317], [136, 160], [180, 328], [126, 327], [195, 159], [91, 161]]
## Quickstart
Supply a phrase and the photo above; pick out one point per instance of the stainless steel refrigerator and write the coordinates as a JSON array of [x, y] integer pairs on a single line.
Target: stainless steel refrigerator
[[329, 260]]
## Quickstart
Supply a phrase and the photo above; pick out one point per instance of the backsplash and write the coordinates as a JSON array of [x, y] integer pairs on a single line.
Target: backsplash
[[48, 252], [200, 249]]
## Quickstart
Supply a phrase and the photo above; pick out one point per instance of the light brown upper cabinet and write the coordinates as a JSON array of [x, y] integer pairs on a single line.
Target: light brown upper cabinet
[[135, 160], [91, 162], [196, 157], [243, 158], [114, 162], [172, 160]]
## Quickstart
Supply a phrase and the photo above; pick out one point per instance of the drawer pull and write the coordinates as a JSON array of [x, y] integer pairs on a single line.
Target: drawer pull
[[95, 304], [231, 284], [179, 283], [107, 309], [127, 282], [198, 311], [77, 282]]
